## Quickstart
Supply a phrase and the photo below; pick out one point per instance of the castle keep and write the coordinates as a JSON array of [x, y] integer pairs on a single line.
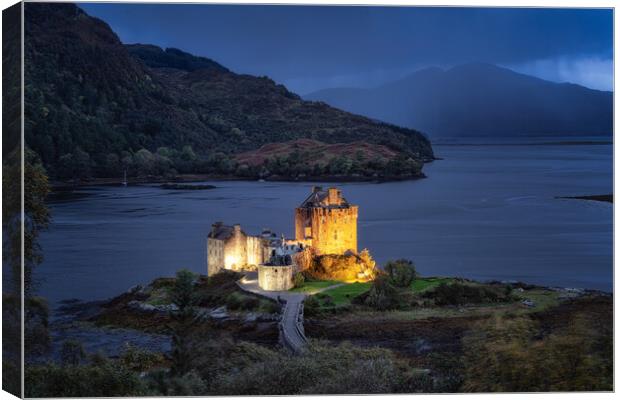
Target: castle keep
[[326, 222]]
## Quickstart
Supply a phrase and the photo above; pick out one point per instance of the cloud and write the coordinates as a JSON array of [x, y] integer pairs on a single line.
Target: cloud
[[592, 72]]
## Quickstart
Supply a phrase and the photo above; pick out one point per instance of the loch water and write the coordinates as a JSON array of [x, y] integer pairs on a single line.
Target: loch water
[[484, 212]]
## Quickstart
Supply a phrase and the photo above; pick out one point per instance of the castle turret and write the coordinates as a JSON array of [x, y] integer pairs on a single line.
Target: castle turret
[[327, 222]]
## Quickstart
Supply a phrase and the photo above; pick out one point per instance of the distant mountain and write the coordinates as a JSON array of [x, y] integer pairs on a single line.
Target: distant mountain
[[95, 107], [480, 100]]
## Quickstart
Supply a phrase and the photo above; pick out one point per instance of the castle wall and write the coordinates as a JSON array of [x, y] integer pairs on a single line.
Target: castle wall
[[215, 256], [235, 250], [302, 220], [276, 278], [333, 230], [255, 250]]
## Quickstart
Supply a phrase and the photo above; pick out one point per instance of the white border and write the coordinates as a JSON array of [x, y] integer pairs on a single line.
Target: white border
[[461, 3]]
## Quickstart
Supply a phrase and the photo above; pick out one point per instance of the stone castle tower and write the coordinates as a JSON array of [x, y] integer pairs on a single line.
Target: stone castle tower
[[327, 222]]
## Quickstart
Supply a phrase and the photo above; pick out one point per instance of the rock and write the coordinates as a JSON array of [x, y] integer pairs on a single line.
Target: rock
[[219, 313], [422, 346], [145, 307], [251, 317], [134, 289], [528, 303]]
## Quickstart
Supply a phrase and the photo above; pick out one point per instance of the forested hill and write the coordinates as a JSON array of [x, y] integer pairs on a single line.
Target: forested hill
[[96, 107]]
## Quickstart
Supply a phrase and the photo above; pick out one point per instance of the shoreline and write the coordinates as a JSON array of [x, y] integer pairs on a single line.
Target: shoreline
[[605, 198], [193, 178]]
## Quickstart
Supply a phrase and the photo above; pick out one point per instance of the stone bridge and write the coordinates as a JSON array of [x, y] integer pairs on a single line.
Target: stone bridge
[[291, 324]]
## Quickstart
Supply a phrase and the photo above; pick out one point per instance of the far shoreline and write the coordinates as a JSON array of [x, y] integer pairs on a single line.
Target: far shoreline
[[605, 198], [193, 178]]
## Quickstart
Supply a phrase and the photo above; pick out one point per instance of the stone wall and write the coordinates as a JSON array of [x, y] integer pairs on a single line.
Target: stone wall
[[275, 278], [332, 230], [238, 252], [215, 256], [257, 251]]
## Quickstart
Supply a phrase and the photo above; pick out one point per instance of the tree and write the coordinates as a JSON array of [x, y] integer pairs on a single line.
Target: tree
[[382, 295], [72, 352], [401, 272], [184, 297]]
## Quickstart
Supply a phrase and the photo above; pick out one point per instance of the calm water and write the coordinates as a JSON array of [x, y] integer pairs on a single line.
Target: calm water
[[485, 212]]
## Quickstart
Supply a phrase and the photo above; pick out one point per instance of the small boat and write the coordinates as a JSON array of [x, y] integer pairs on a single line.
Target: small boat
[[124, 183]]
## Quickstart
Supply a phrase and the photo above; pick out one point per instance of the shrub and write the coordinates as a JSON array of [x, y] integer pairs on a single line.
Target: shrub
[[137, 359], [298, 279], [233, 301], [512, 355], [324, 369], [312, 306], [249, 302], [238, 301], [382, 295], [269, 306], [401, 272], [459, 294], [72, 352], [109, 379]]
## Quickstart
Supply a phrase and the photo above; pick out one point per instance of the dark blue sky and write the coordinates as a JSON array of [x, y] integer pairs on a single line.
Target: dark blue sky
[[309, 48]]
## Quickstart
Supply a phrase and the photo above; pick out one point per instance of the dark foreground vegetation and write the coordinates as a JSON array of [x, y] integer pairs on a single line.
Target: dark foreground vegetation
[[398, 334]]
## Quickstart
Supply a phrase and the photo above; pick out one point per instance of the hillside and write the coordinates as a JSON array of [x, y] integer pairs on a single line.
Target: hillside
[[480, 100], [96, 107]]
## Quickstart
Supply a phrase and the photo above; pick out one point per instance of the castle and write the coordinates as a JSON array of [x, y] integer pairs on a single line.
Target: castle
[[325, 223]]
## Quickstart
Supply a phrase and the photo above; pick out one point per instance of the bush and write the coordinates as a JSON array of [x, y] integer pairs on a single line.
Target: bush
[[72, 352], [109, 379], [324, 369], [459, 294], [269, 306], [382, 295], [139, 360], [298, 279], [238, 301], [401, 272], [312, 306]]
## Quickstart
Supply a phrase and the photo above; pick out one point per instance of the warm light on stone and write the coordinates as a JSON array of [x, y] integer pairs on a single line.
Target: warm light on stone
[[327, 222], [275, 278]]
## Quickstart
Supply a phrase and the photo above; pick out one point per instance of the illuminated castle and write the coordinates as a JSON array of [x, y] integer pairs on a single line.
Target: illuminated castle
[[326, 222], [229, 247]]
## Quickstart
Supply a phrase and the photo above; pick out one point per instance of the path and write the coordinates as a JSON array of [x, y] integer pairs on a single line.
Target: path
[[291, 323]]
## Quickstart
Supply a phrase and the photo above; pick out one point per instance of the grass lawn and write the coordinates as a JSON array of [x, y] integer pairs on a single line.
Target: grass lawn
[[422, 284], [343, 294], [314, 286]]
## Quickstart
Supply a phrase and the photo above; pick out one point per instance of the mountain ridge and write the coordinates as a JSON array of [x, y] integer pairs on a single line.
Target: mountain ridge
[[96, 107], [496, 98]]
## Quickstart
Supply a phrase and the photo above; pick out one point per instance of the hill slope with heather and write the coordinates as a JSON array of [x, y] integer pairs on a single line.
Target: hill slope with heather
[[480, 100], [96, 107]]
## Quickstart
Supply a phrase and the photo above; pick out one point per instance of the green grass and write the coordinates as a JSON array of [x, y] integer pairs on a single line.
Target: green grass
[[314, 286], [343, 294], [422, 284]]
